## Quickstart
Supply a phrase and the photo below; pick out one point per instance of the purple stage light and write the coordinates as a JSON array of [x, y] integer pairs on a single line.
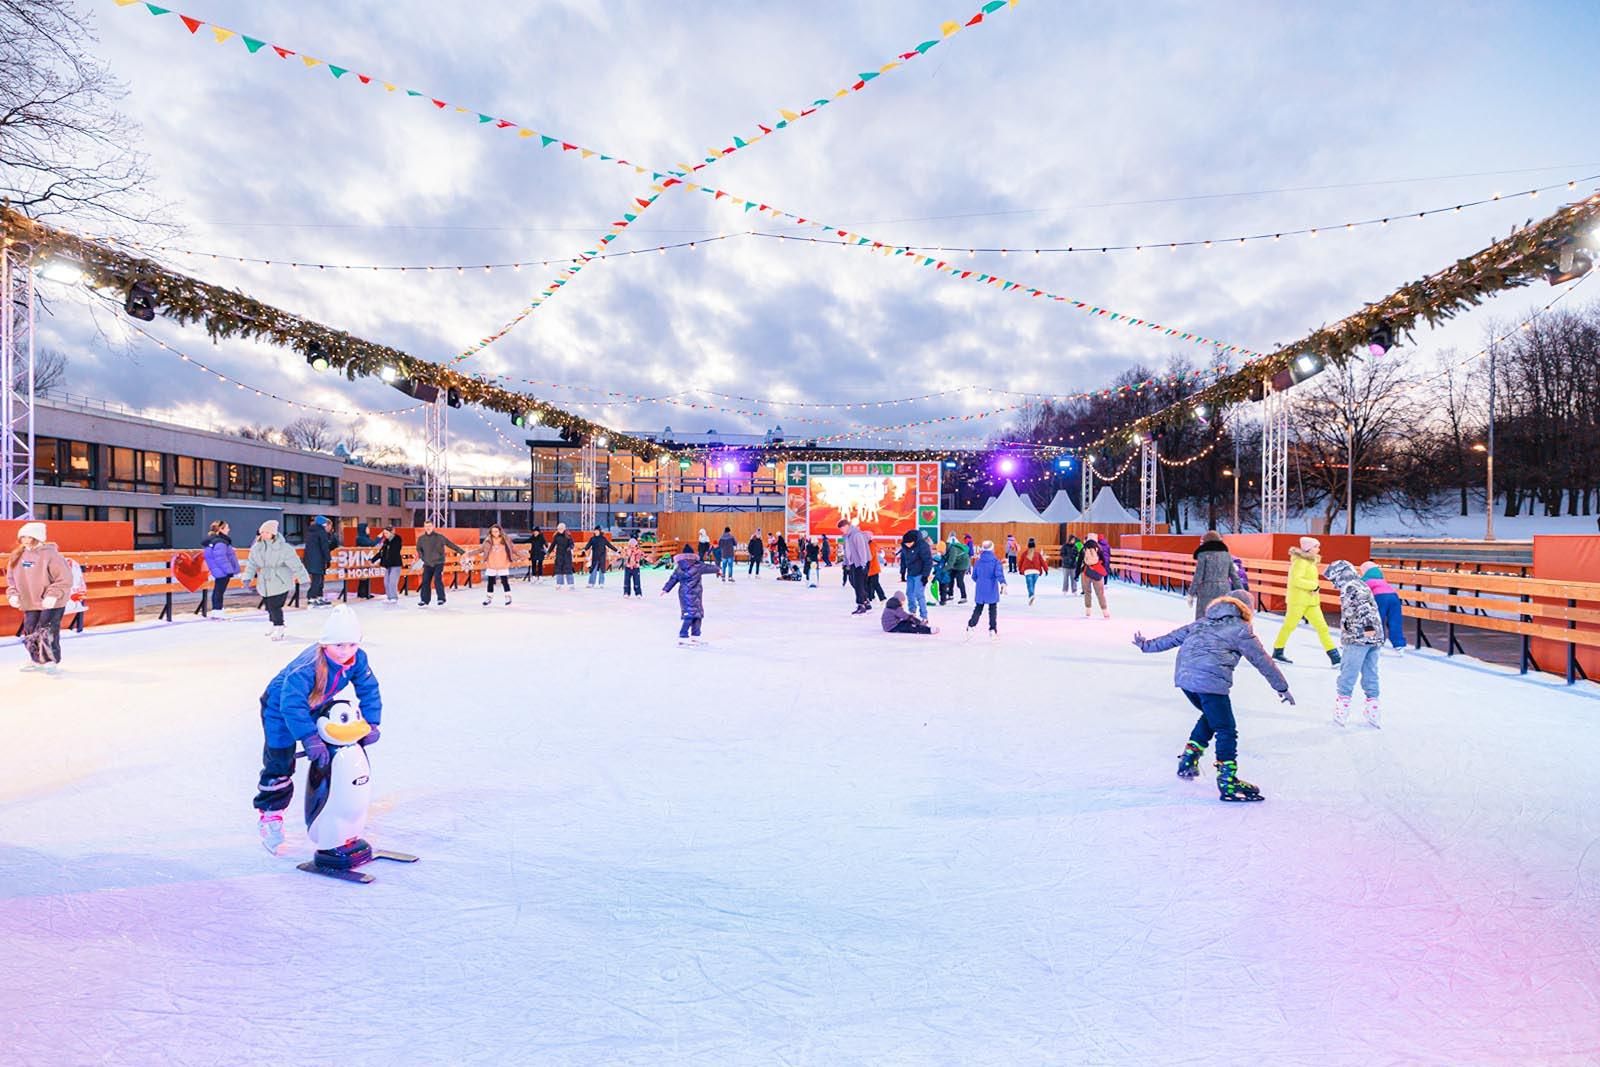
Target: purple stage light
[[1008, 465]]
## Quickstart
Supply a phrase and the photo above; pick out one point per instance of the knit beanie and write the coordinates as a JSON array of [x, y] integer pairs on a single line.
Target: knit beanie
[[1310, 544], [34, 530], [342, 627]]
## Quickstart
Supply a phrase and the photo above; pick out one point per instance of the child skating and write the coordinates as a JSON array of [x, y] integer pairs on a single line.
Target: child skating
[[1361, 635], [1304, 601], [1208, 651], [1394, 620], [988, 581], [688, 571], [290, 704]]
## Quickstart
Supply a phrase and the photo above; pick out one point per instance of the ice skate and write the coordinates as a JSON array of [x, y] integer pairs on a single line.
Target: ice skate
[[1278, 655], [970, 631], [270, 827], [488, 600], [1230, 786], [508, 600], [279, 633], [994, 635], [31, 666], [1333, 656], [1088, 614], [1341, 710], [1371, 712], [1189, 761], [1030, 599], [1105, 613]]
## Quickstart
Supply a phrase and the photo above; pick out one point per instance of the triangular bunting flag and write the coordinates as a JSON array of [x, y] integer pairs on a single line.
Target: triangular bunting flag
[[440, 104], [502, 124], [482, 118], [252, 44], [154, 10], [524, 132], [748, 204], [974, 20], [125, 3], [283, 53], [640, 202], [790, 115], [388, 88], [739, 142], [585, 153], [364, 79], [565, 147], [221, 34], [947, 28], [193, 24], [309, 62], [412, 92], [922, 49], [338, 72], [992, 6], [868, 76], [546, 142]]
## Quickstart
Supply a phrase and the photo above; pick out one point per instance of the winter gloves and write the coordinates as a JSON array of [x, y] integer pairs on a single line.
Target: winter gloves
[[49, 603], [316, 748], [371, 738], [1287, 698]]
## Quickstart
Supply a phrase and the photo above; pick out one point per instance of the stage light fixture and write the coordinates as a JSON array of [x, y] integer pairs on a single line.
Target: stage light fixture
[[1064, 463], [602, 441], [452, 398], [519, 420], [418, 390], [64, 271], [1573, 264], [1008, 465], [950, 464], [1202, 411], [388, 374], [1379, 339], [684, 464], [1306, 365], [729, 467], [141, 302], [316, 358]]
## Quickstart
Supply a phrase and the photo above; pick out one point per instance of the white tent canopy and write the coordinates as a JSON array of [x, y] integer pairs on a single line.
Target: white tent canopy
[[1107, 508], [1060, 509], [1009, 506]]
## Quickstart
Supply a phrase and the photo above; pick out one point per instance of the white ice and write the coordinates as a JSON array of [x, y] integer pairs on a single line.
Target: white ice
[[807, 843]]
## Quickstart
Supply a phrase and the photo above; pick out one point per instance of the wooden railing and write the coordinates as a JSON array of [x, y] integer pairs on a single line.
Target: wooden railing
[[1528, 608]]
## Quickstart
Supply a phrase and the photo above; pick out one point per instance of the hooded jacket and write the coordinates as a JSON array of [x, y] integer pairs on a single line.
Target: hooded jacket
[[1376, 582], [537, 546], [956, 559], [727, 546], [988, 575], [895, 613], [598, 547], [221, 560], [36, 573], [561, 549], [286, 711], [755, 548], [388, 553], [687, 572], [1213, 575], [1302, 578], [917, 554], [857, 547], [1360, 622], [1209, 649], [274, 567]]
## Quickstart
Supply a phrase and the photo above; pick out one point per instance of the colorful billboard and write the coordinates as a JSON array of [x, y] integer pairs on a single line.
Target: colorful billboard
[[884, 499]]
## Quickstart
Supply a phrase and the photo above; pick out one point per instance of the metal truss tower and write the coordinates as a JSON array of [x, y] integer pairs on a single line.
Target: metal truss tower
[[436, 464], [16, 386], [1148, 471], [1274, 460]]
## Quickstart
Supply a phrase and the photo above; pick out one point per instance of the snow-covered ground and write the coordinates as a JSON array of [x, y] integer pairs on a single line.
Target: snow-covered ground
[[808, 843]]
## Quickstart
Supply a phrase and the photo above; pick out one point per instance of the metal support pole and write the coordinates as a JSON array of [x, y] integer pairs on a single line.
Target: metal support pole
[[1148, 469], [586, 487], [1274, 460], [1488, 500], [1086, 488], [436, 464], [1350, 478], [17, 397]]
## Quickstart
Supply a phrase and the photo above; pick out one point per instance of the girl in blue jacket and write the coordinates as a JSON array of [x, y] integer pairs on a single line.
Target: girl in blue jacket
[[1208, 651], [289, 706], [988, 578]]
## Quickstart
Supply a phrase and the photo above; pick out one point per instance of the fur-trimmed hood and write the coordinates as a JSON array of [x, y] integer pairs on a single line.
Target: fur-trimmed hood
[[1223, 606], [1314, 558]]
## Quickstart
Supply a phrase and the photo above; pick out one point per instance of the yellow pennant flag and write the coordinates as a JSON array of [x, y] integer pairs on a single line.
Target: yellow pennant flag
[[690, 187], [841, 92], [221, 34], [525, 132], [949, 27], [125, 3], [308, 61], [585, 152], [462, 111], [789, 116], [658, 188], [638, 169], [887, 67], [388, 87]]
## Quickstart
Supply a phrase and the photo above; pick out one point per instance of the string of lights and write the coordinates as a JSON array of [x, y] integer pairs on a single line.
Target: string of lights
[[1379, 221], [212, 372], [1196, 458], [1482, 354], [1119, 472]]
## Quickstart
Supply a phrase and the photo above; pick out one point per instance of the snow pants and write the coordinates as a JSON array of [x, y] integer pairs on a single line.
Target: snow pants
[[994, 614], [1394, 621], [1311, 611], [1359, 660], [691, 624], [275, 789], [1216, 720]]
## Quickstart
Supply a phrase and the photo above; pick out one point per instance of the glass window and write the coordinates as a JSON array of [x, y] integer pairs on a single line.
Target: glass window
[[349, 493], [150, 466], [374, 494], [319, 487], [46, 460], [294, 527], [80, 464], [194, 477], [123, 464], [394, 497]]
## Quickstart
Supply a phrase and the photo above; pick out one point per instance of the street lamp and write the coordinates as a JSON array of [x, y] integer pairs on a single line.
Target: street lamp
[[1233, 472], [1488, 511]]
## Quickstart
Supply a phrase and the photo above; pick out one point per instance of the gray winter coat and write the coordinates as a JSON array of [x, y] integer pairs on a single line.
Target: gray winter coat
[[431, 548], [687, 573], [1209, 650], [857, 547], [727, 546], [1360, 622], [1213, 575], [274, 566]]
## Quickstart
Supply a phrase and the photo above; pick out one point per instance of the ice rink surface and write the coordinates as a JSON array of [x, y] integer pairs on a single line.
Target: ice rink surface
[[807, 843]]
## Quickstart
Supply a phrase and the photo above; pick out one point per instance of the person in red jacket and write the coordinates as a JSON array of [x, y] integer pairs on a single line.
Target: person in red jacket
[[1033, 566]]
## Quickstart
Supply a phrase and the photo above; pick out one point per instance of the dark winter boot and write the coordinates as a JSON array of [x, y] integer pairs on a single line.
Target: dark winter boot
[[1189, 762], [1333, 656], [1230, 786], [1278, 655]]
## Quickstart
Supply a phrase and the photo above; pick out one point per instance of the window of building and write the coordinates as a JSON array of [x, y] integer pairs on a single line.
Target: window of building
[[289, 484], [319, 487], [134, 470], [374, 494], [294, 527], [394, 497], [194, 477], [79, 456], [46, 461], [349, 493], [245, 480]]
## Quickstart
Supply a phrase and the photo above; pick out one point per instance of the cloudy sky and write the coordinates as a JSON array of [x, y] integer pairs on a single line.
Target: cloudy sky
[[1054, 123]]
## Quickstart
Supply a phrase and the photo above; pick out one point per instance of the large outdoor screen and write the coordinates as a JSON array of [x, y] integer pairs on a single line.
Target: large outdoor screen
[[884, 499]]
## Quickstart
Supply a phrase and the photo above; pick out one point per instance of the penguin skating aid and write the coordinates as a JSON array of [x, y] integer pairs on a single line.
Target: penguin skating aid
[[338, 792]]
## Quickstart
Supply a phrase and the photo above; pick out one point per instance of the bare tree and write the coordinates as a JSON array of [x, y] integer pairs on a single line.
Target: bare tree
[[313, 435], [49, 372], [1462, 401], [260, 432], [64, 145]]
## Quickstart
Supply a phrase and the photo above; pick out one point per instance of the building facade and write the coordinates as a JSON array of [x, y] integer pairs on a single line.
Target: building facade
[[94, 461]]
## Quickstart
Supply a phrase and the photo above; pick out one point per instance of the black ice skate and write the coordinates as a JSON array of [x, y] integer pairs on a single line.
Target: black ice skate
[[1189, 762], [1230, 786], [1278, 655]]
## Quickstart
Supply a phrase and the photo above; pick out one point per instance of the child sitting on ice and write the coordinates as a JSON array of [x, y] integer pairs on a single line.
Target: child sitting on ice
[[1361, 635], [687, 572], [1394, 622], [289, 706], [1208, 651], [897, 620]]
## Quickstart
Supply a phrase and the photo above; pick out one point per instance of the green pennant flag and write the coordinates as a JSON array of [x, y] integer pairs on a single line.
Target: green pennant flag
[[628, 218], [412, 92], [738, 142], [154, 10], [485, 118], [605, 158], [252, 44], [748, 204], [992, 6], [338, 72], [781, 123], [546, 142], [868, 76], [983, 277], [861, 241], [922, 48]]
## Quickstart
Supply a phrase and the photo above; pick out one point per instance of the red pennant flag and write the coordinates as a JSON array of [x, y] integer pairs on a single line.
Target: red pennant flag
[[966, 274], [641, 203], [364, 79], [565, 147], [761, 207], [858, 86], [974, 20], [807, 111], [909, 55], [503, 123], [799, 222], [763, 129], [193, 24], [283, 53], [719, 195], [671, 181], [438, 103]]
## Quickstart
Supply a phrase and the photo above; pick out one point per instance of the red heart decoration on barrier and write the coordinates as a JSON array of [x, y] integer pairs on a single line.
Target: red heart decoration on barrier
[[190, 571]]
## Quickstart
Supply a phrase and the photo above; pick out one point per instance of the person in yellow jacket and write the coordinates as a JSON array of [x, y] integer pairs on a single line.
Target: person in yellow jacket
[[1304, 600]]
